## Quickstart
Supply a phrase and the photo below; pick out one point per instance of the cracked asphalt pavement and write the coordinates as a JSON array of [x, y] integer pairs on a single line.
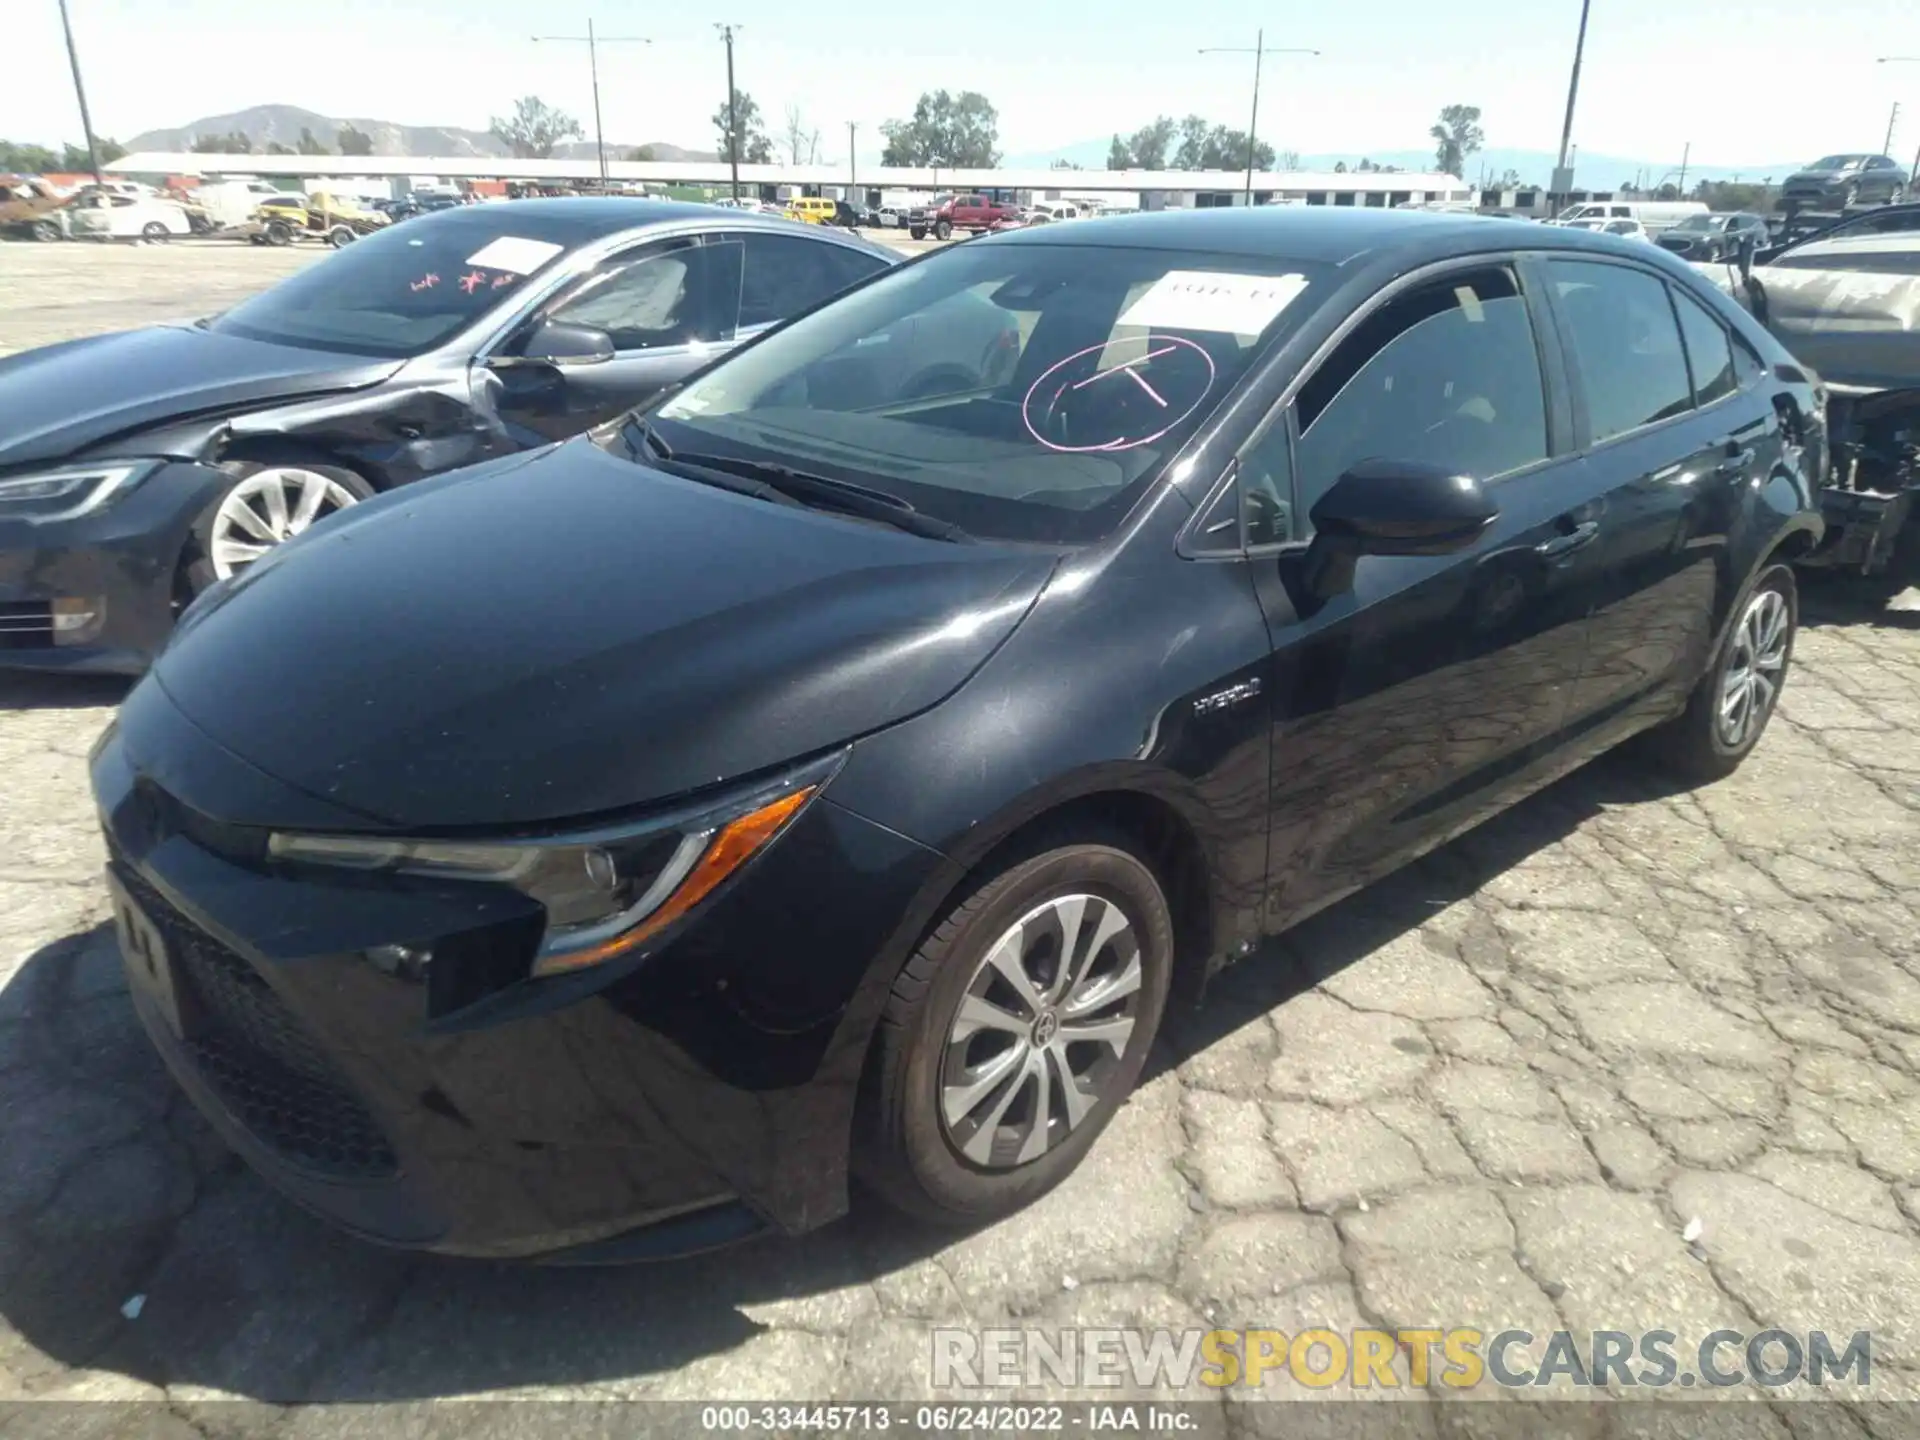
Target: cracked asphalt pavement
[[1627, 1057]]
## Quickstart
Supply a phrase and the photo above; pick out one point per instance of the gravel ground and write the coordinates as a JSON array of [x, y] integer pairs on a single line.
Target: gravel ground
[[1624, 1058]]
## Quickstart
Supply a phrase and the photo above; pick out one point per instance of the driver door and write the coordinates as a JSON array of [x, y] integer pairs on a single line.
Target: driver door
[[668, 307]]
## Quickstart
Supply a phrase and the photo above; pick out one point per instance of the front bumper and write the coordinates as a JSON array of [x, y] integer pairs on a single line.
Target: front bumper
[[454, 1105], [126, 556]]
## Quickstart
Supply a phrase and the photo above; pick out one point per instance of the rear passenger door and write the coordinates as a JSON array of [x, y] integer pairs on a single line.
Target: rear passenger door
[[1409, 707], [1673, 422]]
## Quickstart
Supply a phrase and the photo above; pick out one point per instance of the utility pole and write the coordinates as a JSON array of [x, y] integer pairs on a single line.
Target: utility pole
[[593, 44], [1685, 156], [1259, 53], [1886, 145], [853, 163], [80, 93], [733, 100], [1562, 178]]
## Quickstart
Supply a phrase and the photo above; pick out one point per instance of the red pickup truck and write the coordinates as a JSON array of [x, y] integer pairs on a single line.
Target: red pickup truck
[[948, 213]]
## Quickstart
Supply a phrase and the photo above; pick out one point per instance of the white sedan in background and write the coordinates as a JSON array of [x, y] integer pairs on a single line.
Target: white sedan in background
[[105, 215]]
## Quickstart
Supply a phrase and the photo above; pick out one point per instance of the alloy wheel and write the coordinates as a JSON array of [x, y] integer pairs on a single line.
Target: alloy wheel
[[1039, 1034], [1756, 664], [267, 507]]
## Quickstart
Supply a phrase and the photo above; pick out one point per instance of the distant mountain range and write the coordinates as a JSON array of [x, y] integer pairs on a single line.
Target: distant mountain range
[[1535, 167], [265, 125]]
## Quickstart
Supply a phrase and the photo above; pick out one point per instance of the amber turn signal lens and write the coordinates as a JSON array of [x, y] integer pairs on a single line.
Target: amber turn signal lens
[[731, 848]]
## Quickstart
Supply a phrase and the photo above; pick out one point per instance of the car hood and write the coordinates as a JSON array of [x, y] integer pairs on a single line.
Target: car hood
[[58, 400], [1851, 327], [1822, 175], [529, 643]]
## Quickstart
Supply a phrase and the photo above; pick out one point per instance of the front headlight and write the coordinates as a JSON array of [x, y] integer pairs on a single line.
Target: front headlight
[[606, 892], [70, 491]]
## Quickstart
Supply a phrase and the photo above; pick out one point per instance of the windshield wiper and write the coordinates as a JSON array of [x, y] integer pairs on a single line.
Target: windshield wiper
[[643, 440], [822, 492]]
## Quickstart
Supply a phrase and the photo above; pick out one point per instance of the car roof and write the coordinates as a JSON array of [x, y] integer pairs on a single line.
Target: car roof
[[1324, 234], [581, 219]]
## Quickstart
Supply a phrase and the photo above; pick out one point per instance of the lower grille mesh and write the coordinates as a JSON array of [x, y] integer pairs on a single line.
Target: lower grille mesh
[[261, 1060]]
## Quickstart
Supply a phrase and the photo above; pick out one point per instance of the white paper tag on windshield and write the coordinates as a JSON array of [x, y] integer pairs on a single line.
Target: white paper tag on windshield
[[1214, 300], [511, 252]]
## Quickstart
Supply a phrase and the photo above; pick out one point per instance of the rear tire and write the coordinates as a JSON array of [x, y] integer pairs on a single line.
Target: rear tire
[[967, 1119], [1727, 714], [341, 236]]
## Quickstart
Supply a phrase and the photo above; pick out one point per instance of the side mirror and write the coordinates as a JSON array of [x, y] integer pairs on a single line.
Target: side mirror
[[555, 342], [1391, 507]]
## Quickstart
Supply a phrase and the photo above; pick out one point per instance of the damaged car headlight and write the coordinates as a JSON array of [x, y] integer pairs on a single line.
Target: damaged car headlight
[[71, 491], [605, 892]]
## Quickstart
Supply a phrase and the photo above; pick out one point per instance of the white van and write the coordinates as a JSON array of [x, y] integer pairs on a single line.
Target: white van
[[1656, 215]]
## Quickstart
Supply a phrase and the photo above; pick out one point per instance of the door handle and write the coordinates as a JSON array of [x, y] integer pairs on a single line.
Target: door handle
[[1735, 463], [1581, 534]]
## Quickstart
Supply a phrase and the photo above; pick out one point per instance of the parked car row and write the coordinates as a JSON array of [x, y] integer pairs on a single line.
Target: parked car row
[[839, 704]]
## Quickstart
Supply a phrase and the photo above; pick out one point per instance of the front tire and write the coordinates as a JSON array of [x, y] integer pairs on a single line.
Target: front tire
[[943, 231], [269, 502], [46, 231], [1016, 1032], [154, 233], [1729, 709]]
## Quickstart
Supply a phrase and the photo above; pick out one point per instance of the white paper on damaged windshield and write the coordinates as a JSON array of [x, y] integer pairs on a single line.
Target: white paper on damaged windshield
[[1214, 300], [515, 254]]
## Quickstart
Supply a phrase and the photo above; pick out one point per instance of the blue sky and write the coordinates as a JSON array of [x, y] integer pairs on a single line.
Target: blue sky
[[1748, 83]]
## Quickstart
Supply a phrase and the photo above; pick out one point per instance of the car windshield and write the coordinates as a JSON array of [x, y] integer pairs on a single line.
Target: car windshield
[[1702, 224], [396, 293], [1835, 162], [1021, 391]]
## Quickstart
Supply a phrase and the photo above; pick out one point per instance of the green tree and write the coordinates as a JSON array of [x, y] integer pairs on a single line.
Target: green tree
[[74, 157], [27, 159], [1217, 147], [534, 128], [1119, 155], [1193, 132], [755, 147], [1067, 165], [235, 143], [946, 129], [642, 153], [309, 144], [1146, 148], [1339, 167], [1456, 137], [274, 147], [353, 142]]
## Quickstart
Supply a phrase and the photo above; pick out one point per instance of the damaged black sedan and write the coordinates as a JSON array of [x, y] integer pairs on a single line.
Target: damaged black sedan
[[795, 780], [136, 469]]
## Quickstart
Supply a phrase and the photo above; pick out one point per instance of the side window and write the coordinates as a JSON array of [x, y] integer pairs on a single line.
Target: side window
[[1709, 352], [1447, 374], [1747, 366], [1266, 488], [1626, 343], [786, 274], [649, 303]]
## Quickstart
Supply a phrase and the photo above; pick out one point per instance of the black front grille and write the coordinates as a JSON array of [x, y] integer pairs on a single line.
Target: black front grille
[[270, 1072], [26, 624]]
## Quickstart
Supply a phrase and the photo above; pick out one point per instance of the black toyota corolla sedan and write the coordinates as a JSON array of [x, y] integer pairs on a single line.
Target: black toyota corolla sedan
[[795, 781], [138, 468]]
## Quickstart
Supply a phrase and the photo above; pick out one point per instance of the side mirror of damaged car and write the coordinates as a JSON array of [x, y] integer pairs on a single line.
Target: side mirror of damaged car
[[556, 342], [1391, 507]]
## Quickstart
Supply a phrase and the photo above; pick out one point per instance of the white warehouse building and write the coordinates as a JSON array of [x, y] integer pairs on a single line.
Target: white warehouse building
[[1144, 189]]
